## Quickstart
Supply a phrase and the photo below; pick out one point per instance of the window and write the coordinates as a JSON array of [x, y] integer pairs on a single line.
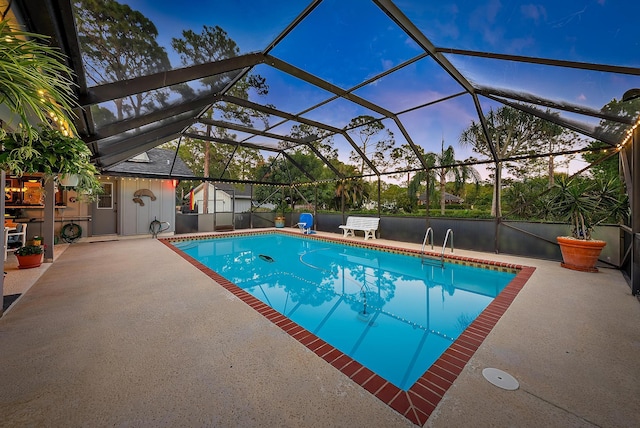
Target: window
[[105, 200]]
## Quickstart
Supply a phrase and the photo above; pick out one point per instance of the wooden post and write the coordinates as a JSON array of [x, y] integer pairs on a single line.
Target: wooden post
[[48, 218]]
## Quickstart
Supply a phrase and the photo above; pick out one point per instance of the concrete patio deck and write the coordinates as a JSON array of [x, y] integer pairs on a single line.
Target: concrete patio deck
[[127, 333]]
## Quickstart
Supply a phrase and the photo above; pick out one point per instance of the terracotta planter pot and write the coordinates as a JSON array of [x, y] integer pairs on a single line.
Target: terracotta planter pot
[[30, 261], [579, 254]]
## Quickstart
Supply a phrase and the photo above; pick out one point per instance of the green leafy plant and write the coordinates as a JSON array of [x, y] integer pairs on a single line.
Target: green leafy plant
[[53, 154], [585, 204], [29, 250], [36, 84]]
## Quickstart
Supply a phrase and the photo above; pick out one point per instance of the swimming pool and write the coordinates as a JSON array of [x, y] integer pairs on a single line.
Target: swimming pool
[[393, 313], [421, 399]]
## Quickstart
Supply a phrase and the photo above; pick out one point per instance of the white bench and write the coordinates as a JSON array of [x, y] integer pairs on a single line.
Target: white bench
[[368, 225]]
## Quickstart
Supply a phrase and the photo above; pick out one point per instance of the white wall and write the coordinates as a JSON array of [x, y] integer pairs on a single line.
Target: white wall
[[135, 219], [243, 205], [222, 202]]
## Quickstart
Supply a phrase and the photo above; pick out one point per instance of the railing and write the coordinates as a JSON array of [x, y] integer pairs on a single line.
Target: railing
[[444, 245], [447, 238], [428, 233]]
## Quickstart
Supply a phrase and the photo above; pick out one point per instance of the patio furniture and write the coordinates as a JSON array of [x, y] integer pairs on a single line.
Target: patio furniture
[[14, 238], [368, 225], [305, 223]]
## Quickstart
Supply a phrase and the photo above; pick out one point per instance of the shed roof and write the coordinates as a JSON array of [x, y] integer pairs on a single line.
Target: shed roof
[[161, 162], [448, 198], [241, 191]]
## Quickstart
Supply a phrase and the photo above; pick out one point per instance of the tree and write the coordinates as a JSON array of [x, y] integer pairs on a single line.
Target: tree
[[119, 43], [394, 197], [443, 166], [245, 161], [213, 44], [553, 139], [464, 173], [376, 142], [511, 132], [320, 139], [522, 198], [623, 109], [447, 168], [354, 190], [102, 116], [428, 175], [281, 169], [404, 157], [607, 169]]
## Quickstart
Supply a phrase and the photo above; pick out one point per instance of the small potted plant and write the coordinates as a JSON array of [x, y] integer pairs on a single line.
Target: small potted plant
[[37, 240], [280, 218], [585, 204], [279, 221], [29, 256]]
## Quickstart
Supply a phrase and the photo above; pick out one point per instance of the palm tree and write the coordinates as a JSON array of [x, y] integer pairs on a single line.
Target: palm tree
[[427, 175], [464, 173], [447, 169], [354, 190]]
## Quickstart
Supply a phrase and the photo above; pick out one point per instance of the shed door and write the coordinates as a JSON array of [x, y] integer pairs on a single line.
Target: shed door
[[105, 211]]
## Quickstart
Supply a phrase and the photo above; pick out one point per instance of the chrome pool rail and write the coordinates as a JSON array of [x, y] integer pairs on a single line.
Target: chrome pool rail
[[429, 233]]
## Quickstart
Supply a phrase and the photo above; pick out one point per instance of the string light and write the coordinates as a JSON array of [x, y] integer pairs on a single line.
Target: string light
[[629, 134]]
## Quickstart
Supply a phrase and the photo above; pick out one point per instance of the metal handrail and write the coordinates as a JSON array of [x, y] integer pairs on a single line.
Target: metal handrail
[[444, 245], [424, 242]]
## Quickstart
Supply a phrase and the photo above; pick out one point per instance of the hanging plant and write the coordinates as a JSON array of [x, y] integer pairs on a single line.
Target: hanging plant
[[53, 154], [36, 84]]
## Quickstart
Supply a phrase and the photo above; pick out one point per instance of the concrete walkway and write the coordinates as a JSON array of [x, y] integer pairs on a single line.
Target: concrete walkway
[[127, 333]]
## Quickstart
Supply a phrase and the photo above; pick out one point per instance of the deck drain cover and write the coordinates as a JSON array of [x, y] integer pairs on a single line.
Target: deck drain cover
[[500, 379]]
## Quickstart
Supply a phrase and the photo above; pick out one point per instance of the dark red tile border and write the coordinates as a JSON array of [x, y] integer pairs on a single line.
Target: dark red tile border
[[417, 403]]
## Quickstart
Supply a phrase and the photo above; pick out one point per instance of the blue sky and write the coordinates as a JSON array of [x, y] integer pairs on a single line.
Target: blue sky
[[347, 42]]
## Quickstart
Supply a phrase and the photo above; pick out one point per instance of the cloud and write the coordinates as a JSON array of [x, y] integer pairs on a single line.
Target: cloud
[[386, 64], [534, 12], [582, 97], [449, 30], [483, 19], [521, 44]]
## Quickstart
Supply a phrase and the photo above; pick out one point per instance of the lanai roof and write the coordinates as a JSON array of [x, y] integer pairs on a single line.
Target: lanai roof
[[425, 70]]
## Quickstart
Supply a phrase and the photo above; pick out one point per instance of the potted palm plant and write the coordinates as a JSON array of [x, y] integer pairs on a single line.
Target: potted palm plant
[[29, 256], [584, 204]]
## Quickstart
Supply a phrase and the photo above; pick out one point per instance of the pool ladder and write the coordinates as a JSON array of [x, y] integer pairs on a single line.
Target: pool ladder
[[428, 234]]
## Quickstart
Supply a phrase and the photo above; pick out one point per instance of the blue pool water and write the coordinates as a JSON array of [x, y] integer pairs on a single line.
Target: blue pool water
[[390, 312]]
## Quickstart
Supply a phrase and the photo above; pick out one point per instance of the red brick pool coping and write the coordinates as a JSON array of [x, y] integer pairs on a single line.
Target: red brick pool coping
[[417, 403]]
